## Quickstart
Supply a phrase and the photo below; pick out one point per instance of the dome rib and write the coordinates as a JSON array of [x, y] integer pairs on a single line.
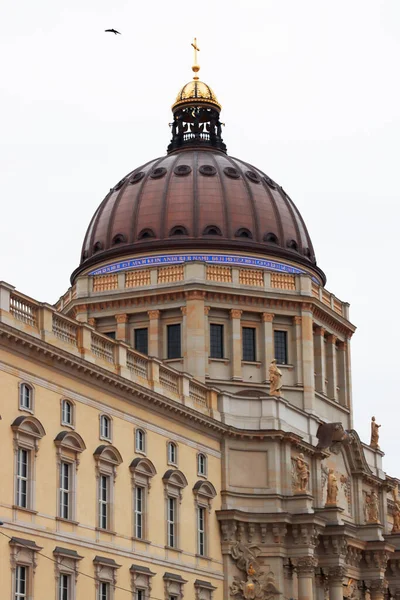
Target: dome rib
[[164, 201], [134, 220], [256, 231], [227, 228]]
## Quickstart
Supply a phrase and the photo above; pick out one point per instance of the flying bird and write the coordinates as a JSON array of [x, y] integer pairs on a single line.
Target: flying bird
[[112, 31]]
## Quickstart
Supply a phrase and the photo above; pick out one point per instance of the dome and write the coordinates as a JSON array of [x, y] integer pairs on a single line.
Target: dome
[[196, 91], [197, 199]]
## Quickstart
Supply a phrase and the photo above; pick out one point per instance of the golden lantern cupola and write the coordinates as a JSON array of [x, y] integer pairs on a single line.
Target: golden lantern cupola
[[196, 113]]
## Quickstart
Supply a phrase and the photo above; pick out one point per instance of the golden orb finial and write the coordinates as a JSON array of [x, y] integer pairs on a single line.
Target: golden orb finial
[[196, 67]]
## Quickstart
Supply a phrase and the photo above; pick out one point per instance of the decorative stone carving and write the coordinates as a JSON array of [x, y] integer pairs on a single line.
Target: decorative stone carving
[[258, 585], [374, 434], [336, 573], [333, 489], [324, 476], [305, 565], [352, 591], [371, 507], [275, 379], [345, 482], [300, 474]]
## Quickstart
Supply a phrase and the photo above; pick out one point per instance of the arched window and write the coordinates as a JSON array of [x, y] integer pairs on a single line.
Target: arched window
[[107, 460], [69, 446], [244, 233], [142, 470], [174, 482], [118, 239], [105, 428], [292, 244], [172, 453], [67, 413], [97, 247], [140, 440], [271, 238], [202, 464], [212, 230], [26, 397], [204, 493], [145, 234], [178, 230]]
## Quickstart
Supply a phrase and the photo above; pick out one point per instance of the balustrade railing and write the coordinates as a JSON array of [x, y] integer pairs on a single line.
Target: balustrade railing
[[65, 330], [23, 310], [169, 380], [102, 348], [198, 394], [137, 364]]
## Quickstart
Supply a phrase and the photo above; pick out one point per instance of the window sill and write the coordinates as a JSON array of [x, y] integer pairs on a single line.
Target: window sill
[[105, 439], [67, 425], [25, 509], [169, 360], [202, 475], [28, 410], [108, 531], [285, 366], [70, 521], [137, 539], [203, 556], [141, 452], [172, 464], [225, 361], [173, 548], [256, 363]]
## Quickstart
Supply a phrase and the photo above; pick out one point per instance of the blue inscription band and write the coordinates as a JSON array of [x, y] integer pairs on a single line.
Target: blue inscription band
[[165, 259]]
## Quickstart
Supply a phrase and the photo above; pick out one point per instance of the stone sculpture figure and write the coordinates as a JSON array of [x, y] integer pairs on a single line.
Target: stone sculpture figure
[[396, 511], [333, 489], [374, 434], [372, 508], [275, 379], [302, 474]]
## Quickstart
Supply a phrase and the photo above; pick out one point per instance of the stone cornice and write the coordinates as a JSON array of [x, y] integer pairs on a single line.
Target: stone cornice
[[257, 300]]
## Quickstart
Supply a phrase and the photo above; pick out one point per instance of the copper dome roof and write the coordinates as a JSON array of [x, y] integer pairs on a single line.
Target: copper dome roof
[[197, 199]]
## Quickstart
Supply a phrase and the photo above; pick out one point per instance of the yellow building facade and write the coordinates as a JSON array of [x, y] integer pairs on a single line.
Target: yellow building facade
[[180, 423]]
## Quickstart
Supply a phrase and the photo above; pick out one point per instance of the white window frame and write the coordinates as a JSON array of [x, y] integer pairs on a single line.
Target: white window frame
[[69, 445], [22, 388], [139, 512], [28, 431], [66, 492], [60, 592], [172, 537], [202, 531], [108, 590], [104, 435], [202, 457], [23, 479], [104, 509], [17, 594], [142, 471], [140, 441], [67, 423], [107, 460], [174, 482], [172, 448]]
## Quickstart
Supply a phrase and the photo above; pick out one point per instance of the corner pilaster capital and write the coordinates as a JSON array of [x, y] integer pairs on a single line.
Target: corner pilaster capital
[[267, 317], [318, 330], [336, 573], [235, 313], [153, 314], [184, 310], [305, 565], [297, 320], [123, 318]]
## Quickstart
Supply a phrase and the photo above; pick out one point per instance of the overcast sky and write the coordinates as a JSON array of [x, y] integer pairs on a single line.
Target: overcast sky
[[310, 94]]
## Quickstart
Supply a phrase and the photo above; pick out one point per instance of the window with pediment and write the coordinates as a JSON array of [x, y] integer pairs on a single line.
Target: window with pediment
[[66, 563], [204, 493], [203, 590], [69, 445], [142, 471], [107, 460], [23, 567], [105, 577], [28, 431], [141, 582], [174, 483], [173, 586]]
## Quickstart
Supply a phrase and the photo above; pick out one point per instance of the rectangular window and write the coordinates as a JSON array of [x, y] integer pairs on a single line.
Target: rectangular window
[[23, 457], [104, 590], [65, 490], [142, 340], [104, 502], [201, 530], [280, 341], [64, 587], [249, 343], [174, 341], [171, 521], [25, 396], [216, 341], [140, 595], [139, 512], [21, 583]]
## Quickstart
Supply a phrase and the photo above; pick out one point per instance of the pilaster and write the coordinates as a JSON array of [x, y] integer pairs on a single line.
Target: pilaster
[[122, 327], [331, 367], [268, 344], [154, 332], [342, 373], [305, 567], [319, 357], [298, 355], [236, 350], [308, 357], [335, 582], [195, 352], [207, 339]]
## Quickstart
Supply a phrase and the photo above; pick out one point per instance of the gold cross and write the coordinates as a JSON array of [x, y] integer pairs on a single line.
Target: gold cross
[[195, 67], [196, 50]]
